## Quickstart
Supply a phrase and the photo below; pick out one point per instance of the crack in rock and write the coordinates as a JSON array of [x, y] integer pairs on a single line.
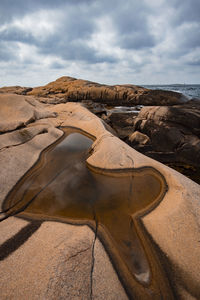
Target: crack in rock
[[93, 260]]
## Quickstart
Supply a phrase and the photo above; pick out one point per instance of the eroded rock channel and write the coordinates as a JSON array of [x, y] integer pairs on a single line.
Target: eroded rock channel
[[61, 186]]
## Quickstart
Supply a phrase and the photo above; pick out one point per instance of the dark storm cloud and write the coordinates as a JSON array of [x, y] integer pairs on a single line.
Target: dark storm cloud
[[69, 40], [194, 63], [73, 50], [14, 34], [76, 28], [186, 11], [137, 40], [131, 23], [190, 39], [75, 32]]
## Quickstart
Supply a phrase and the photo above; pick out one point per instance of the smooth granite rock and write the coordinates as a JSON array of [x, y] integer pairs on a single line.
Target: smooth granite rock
[[48, 259], [17, 111]]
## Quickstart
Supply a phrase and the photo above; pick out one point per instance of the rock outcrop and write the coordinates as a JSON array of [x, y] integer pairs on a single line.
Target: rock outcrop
[[48, 259], [174, 133], [121, 122], [19, 90], [17, 112], [67, 89]]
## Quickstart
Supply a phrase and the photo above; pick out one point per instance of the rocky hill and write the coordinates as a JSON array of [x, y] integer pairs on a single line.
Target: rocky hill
[[68, 89]]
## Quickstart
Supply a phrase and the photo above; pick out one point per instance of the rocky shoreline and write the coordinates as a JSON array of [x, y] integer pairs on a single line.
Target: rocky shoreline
[[163, 125], [170, 134], [68, 89], [64, 260]]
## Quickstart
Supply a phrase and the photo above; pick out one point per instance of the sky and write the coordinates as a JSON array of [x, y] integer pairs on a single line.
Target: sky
[[106, 41]]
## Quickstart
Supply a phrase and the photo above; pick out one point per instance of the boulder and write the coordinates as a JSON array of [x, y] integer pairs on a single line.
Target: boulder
[[121, 122], [138, 138], [174, 132]]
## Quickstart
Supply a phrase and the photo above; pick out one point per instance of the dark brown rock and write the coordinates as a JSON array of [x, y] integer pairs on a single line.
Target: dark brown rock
[[122, 123], [174, 132], [96, 108]]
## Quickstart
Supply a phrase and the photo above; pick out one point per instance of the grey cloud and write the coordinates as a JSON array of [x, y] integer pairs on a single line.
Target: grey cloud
[[132, 26], [194, 62], [137, 40], [69, 42], [77, 23], [56, 65], [186, 11], [190, 38], [187, 40], [10, 9], [7, 51], [74, 50], [15, 34]]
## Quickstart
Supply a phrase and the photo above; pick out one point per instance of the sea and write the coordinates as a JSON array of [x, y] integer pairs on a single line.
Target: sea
[[189, 90]]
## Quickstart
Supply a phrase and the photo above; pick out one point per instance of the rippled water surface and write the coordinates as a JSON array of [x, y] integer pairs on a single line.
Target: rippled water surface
[[189, 90]]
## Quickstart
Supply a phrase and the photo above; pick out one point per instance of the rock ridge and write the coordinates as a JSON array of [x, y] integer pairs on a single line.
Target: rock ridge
[[66, 89]]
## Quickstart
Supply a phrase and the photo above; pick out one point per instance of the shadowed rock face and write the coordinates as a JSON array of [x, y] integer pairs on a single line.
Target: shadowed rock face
[[62, 187], [174, 135], [67, 89]]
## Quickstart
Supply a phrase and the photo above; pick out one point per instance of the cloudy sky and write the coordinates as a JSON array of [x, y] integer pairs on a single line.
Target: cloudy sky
[[108, 41]]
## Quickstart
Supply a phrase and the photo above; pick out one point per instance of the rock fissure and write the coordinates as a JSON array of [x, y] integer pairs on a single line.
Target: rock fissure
[[21, 143], [76, 254], [93, 258]]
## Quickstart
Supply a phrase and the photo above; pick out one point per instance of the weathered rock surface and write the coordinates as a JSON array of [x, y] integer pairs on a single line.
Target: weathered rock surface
[[121, 122], [15, 90], [67, 89], [138, 138], [18, 111], [174, 133], [53, 260]]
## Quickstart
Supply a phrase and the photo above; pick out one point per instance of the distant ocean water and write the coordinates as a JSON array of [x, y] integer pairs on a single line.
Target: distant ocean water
[[189, 90]]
